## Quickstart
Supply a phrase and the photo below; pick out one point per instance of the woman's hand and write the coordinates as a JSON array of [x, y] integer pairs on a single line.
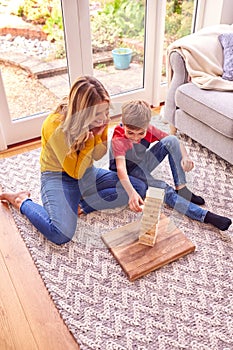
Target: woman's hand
[[90, 135], [98, 130], [187, 163], [135, 202]]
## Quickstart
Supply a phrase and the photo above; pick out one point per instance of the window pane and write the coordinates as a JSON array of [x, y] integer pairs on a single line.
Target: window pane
[[32, 56], [178, 23], [118, 25]]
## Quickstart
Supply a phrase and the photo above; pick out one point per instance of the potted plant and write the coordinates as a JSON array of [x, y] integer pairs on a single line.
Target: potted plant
[[122, 57]]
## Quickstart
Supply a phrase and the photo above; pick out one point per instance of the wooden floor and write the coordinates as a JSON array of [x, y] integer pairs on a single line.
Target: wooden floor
[[28, 317]]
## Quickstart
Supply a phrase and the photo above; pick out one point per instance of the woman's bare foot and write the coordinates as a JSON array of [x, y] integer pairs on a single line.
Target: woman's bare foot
[[15, 199]]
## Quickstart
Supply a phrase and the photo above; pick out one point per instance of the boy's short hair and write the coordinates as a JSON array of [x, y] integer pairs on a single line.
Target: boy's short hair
[[136, 114]]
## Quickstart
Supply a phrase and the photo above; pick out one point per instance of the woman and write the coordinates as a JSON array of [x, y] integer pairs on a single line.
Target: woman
[[73, 137]]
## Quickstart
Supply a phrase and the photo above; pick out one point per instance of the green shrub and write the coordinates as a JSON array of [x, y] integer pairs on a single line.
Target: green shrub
[[35, 11], [117, 19], [54, 24], [48, 13], [178, 21]]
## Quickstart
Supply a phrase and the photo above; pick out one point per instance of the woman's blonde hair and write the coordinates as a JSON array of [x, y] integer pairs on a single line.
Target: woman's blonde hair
[[78, 110], [136, 114]]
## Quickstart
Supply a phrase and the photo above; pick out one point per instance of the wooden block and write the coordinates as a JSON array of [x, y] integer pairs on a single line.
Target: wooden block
[[138, 259], [151, 215]]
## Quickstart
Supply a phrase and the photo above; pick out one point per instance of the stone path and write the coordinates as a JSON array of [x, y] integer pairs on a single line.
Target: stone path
[[53, 75]]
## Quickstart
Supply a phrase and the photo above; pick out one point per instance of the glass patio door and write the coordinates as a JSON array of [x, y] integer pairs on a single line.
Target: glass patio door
[[92, 29], [33, 67]]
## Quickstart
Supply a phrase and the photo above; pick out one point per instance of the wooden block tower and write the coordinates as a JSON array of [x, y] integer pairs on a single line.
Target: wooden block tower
[[151, 215]]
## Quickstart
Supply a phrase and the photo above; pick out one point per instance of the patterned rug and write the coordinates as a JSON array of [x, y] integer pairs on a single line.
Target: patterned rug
[[187, 304]]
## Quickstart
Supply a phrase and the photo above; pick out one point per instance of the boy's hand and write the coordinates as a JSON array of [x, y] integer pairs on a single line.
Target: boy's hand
[[187, 164], [135, 202]]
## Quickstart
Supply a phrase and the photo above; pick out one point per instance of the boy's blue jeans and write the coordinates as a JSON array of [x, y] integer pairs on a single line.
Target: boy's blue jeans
[[168, 146], [61, 194], [152, 158]]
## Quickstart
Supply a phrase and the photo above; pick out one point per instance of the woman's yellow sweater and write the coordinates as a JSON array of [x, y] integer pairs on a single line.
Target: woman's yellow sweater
[[55, 154]]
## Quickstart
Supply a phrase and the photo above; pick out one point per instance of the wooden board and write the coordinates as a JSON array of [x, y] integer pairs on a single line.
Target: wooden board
[[137, 259]]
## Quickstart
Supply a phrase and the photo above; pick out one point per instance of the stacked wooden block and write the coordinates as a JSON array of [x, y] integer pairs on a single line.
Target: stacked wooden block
[[151, 214]]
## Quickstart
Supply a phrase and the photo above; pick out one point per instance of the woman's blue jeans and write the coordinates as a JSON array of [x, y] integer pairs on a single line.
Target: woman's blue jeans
[[153, 157], [61, 195]]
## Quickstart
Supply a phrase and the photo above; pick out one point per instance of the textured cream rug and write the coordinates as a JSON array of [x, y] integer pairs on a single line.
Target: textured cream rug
[[187, 304]]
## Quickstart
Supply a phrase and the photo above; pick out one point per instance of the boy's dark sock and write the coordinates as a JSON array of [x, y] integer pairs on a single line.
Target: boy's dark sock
[[191, 197], [221, 222]]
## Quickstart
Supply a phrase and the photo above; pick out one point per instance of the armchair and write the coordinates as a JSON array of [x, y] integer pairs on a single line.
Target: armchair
[[199, 102]]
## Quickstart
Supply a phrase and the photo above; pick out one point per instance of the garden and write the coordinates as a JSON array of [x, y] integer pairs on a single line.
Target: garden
[[114, 23]]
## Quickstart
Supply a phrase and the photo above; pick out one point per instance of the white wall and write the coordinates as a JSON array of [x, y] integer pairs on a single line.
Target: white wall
[[227, 12], [217, 11]]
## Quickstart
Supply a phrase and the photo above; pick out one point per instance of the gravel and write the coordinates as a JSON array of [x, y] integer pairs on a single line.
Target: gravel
[[41, 49]]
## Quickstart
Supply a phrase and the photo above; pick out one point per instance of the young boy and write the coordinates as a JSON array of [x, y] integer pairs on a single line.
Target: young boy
[[133, 153]]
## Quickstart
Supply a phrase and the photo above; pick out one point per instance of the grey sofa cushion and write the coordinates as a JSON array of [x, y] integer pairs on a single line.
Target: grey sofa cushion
[[213, 108], [226, 41]]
